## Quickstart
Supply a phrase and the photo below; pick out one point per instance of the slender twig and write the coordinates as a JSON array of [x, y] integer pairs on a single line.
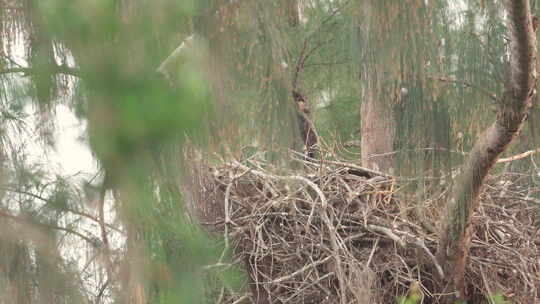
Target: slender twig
[[518, 156], [64, 208], [167, 64], [301, 270], [491, 95], [299, 65], [420, 243], [50, 226], [352, 166], [327, 63], [102, 290], [304, 55], [329, 17], [241, 299], [386, 231]]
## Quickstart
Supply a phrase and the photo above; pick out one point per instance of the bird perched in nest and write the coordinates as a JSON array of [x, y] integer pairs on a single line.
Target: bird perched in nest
[[307, 128], [301, 101]]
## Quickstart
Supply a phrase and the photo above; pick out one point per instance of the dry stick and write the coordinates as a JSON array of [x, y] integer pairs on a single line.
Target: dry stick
[[324, 202], [302, 288], [347, 165], [241, 299], [299, 271], [324, 215], [335, 247], [228, 220], [387, 232], [420, 243], [417, 241], [486, 283], [173, 57], [372, 252], [518, 156], [501, 160]]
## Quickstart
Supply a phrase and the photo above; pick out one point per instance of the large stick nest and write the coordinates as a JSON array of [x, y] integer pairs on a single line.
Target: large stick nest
[[333, 232]]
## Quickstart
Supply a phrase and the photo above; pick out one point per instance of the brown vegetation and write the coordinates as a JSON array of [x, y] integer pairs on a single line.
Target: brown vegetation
[[334, 232]]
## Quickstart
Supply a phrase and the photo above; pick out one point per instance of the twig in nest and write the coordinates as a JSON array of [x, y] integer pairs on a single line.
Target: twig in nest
[[324, 202], [387, 232], [324, 215], [228, 220], [369, 172], [420, 243], [301, 270], [284, 254], [241, 299], [372, 252]]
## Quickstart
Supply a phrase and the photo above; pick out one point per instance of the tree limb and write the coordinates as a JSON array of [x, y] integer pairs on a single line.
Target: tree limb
[[512, 111], [518, 156], [66, 209], [169, 62], [49, 226], [491, 95]]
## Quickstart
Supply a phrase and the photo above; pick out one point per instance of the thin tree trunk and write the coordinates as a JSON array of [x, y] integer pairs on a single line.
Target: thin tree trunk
[[293, 14], [377, 133], [306, 127], [381, 76], [513, 109]]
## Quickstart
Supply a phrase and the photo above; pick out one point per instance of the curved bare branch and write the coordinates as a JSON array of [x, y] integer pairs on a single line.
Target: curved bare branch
[[512, 112]]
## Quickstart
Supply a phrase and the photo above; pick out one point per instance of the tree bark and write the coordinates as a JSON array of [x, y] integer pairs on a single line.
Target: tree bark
[[381, 77], [293, 15], [513, 109], [377, 129]]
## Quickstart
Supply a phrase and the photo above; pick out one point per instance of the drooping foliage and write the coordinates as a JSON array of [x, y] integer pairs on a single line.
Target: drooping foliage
[[120, 232]]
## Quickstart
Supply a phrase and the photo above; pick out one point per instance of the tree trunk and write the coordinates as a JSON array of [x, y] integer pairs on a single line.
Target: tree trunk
[[293, 14], [398, 98], [377, 133], [306, 127], [381, 76], [513, 109]]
